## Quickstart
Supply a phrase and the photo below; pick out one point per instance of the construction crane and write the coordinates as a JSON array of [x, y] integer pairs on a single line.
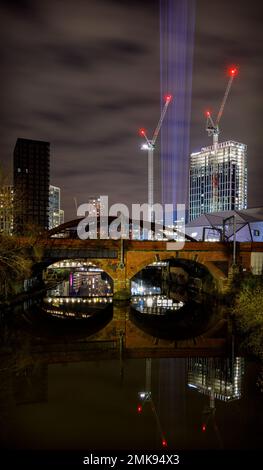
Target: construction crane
[[212, 127], [150, 146]]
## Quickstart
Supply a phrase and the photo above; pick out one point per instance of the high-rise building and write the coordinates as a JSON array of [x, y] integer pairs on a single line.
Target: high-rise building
[[31, 185], [56, 214], [95, 202], [231, 179], [6, 209]]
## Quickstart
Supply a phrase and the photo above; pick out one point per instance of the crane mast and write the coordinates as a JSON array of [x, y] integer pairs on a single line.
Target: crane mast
[[212, 129], [150, 146]]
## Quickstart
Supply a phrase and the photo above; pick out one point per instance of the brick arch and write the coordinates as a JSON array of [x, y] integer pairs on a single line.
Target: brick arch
[[199, 258]]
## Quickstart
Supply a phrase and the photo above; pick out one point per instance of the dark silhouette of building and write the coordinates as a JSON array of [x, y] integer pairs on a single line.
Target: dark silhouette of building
[[31, 185]]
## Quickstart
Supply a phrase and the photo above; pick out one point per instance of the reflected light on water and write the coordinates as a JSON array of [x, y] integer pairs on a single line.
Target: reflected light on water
[[155, 304]]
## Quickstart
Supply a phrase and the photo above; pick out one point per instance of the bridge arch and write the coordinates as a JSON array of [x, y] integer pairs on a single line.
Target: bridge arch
[[216, 277]]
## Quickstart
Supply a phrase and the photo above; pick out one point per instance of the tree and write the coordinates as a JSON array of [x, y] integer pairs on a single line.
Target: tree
[[248, 312], [14, 264]]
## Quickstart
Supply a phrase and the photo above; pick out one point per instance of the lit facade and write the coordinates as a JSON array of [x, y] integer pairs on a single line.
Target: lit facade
[[56, 214], [94, 201], [231, 179], [219, 377], [6, 209], [88, 283]]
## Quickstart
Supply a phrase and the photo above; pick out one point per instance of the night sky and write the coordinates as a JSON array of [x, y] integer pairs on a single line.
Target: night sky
[[85, 75]]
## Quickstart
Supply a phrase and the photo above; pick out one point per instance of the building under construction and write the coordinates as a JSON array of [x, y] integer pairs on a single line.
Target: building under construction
[[231, 181], [218, 173]]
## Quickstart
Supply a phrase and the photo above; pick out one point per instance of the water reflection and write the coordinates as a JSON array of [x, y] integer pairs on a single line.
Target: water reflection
[[70, 307], [75, 405], [30, 384], [158, 372], [218, 378], [165, 318], [155, 304], [146, 397], [113, 387]]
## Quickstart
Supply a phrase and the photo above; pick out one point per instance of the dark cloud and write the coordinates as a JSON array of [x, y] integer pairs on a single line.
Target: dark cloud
[[20, 7], [84, 75], [127, 47], [229, 32]]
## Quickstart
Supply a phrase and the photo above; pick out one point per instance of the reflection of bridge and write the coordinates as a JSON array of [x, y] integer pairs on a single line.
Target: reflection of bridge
[[119, 336], [28, 372], [123, 259]]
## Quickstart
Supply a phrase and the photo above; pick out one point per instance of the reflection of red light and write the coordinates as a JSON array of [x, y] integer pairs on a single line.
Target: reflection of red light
[[168, 97], [164, 443], [203, 428], [142, 131], [139, 408]]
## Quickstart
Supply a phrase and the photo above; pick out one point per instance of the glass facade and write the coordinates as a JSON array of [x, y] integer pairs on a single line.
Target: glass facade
[[56, 215], [230, 174]]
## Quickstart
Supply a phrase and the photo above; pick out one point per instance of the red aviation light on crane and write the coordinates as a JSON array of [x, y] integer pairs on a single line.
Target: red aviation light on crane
[[168, 98], [207, 113], [232, 72], [142, 132]]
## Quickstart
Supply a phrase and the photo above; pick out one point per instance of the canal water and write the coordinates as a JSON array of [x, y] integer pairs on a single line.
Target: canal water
[[86, 373]]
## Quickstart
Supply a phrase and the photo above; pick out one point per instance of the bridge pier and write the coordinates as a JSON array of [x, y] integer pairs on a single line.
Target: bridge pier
[[121, 285]]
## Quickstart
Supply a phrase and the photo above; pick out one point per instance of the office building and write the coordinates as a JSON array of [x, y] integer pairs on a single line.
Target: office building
[[31, 185], [230, 179]]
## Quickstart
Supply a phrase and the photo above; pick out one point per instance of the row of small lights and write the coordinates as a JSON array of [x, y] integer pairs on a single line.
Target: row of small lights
[[158, 310], [67, 314], [75, 264], [160, 298], [74, 300]]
